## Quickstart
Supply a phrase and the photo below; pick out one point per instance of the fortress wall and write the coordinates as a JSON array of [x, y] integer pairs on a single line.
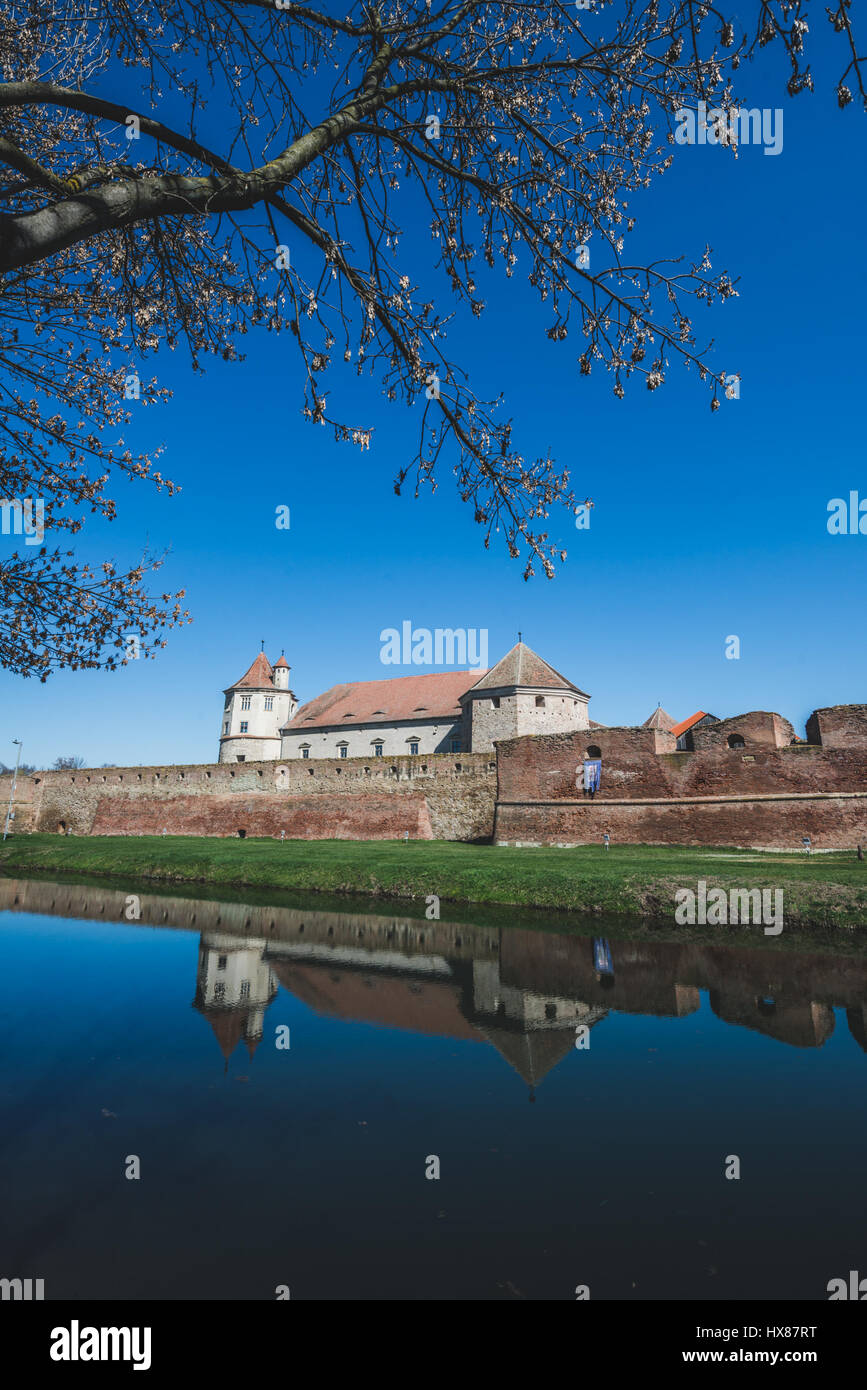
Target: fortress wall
[[372, 817], [546, 769], [24, 805], [766, 793], [758, 795], [447, 797], [837, 822]]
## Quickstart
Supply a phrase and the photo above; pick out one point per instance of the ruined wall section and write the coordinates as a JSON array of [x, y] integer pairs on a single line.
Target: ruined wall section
[[839, 726], [761, 794]]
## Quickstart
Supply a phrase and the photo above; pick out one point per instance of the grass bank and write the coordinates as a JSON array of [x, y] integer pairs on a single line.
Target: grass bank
[[633, 880]]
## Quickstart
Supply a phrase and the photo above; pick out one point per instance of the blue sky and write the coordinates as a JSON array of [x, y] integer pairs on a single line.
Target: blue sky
[[704, 525]]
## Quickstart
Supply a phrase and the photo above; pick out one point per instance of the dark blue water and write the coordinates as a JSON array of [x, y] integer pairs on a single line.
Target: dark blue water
[[305, 1166]]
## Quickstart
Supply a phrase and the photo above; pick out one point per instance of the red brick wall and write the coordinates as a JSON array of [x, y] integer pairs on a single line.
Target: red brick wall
[[371, 817], [840, 726], [537, 777], [759, 726], [545, 769], [835, 823]]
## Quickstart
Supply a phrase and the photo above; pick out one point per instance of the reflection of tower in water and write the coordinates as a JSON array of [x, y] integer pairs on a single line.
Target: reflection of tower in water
[[234, 986]]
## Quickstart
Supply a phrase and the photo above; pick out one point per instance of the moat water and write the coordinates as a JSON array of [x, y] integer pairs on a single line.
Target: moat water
[[286, 1074]]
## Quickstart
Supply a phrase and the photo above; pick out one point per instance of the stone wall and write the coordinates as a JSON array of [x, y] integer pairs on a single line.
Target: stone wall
[[517, 712], [446, 798], [758, 795]]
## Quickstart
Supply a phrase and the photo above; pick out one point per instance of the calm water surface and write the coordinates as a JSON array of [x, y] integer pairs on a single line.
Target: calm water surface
[[305, 1166]]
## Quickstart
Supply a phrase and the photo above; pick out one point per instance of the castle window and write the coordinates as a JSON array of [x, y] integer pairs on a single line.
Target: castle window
[[219, 990], [305, 752], [540, 702], [413, 748], [377, 750], [496, 701], [344, 750], [244, 726], [269, 702], [241, 757], [245, 989], [221, 963], [735, 741], [456, 745], [245, 701], [226, 727]]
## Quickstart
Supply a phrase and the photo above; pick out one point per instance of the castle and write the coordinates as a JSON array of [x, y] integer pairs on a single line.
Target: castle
[[451, 712], [448, 712]]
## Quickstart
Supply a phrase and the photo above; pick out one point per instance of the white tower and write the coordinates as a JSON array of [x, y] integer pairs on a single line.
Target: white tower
[[255, 710]]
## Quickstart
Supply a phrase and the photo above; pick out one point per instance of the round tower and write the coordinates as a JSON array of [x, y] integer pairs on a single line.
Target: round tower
[[281, 673], [255, 710]]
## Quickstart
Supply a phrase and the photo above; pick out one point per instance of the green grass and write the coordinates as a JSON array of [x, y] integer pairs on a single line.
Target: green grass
[[635, 880]]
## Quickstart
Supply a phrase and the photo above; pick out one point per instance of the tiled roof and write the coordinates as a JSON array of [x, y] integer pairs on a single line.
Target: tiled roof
[[281, 662], [659, 720], [678, 729], [433, 696], [522, 667], [260, 674]]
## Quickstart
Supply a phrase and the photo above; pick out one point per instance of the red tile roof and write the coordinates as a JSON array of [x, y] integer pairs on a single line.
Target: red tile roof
[[685, 724], [282, 662], [382, 702], [260, 675]]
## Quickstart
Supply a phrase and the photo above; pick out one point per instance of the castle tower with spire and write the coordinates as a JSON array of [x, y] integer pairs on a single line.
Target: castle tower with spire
[[256, 708]]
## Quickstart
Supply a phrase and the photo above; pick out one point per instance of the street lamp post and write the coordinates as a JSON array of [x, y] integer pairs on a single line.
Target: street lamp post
[[9, 812]]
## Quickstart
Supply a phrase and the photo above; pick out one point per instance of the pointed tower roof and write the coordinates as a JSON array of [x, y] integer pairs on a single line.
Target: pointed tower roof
[[522, 667], [659, 720], [228, 1026], [260, 675], [281, 662], [534, 1054]]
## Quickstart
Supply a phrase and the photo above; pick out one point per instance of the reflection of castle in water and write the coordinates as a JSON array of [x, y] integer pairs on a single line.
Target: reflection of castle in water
[[523, 991], [234, 986], [423, 993]]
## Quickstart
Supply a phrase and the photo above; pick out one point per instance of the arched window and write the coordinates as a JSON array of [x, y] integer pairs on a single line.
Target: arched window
[[735, 741], [594, 751]]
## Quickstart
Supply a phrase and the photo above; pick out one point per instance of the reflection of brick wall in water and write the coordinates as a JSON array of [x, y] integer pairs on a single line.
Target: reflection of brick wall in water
[[301, 817]]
